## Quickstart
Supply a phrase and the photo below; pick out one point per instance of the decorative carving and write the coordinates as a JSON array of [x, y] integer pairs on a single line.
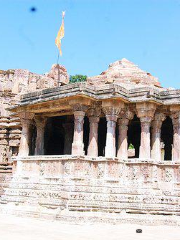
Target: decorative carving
[[94, 111], [111, 113], [79, 107], [145, 109], [157, 121], [40, 122]]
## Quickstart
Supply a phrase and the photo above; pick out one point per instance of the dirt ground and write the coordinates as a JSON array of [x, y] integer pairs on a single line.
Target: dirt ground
[[12, 227]]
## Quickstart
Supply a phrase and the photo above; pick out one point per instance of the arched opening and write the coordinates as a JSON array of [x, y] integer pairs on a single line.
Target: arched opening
[[59, 135], [134, 136], [167, 139], [102, 130]]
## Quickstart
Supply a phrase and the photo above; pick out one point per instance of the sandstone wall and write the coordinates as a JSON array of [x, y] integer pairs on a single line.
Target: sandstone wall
[[103, 190], [14, 83]]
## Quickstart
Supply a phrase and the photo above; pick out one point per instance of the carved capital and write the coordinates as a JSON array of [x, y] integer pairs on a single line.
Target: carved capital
[[26, 118], [111, 118], [112, 108], [40, 122], [126, 114], [111, 113], [145, 109], [26, 115], [157, 122], [79, 115], [80, 104], [94, 111], [175, 116], [159, 117], [80, 107]]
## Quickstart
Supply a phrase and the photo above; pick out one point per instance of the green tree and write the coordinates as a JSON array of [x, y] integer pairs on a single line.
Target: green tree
[[77, 78], [131, 146]]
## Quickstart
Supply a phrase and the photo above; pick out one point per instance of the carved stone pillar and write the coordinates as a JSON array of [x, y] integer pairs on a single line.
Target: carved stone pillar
[[79, 105], [145, 149], [26, 121], [93, 114], [145, 112], [176, 136], [78, 145], [40, 126], [110, 149], [156, 136], [68, 138], [93, 137], [122, 139], [111, 109]]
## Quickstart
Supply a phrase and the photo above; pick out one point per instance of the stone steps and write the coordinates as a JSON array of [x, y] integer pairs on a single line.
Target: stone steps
[[5, 176]]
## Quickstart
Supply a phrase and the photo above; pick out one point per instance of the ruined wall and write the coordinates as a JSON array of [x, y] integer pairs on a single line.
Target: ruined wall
[[13, 83]]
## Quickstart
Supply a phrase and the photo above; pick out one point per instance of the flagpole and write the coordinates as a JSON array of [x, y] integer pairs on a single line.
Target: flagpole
[[58, 58]]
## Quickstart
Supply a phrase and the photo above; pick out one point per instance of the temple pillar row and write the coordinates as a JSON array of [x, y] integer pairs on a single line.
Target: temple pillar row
[[115, 114]]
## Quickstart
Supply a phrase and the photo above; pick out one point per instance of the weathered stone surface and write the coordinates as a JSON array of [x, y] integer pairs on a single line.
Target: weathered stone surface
[[59, 186], [13, 83], [125, 73], [123, 105]]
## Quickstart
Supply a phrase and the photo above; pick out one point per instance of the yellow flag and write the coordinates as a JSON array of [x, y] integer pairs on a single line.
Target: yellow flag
[[60, 35]]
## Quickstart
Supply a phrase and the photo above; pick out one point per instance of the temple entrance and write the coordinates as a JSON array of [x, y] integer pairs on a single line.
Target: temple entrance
[[59, 135], [102, 136], [134, 136], [167, 139]]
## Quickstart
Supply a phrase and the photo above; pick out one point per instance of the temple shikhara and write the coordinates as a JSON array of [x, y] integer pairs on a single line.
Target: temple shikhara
[[107, 149]]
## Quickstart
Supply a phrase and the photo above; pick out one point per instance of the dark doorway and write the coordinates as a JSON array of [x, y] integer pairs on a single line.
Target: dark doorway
[[167, 137], [102, 130], [32, 142], [55, 134], [86, 134], [134, 135]]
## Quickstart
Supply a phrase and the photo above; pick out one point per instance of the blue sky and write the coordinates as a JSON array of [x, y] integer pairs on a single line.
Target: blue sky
[[147, 32]]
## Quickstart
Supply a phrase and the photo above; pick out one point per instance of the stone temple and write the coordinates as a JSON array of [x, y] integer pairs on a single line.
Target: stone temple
[[104, 150]]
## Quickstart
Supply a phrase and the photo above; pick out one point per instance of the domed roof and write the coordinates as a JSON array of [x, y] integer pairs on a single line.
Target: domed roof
[[125, 73]]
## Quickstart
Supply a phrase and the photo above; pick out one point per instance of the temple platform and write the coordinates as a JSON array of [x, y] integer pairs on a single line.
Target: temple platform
[[95, 189]]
